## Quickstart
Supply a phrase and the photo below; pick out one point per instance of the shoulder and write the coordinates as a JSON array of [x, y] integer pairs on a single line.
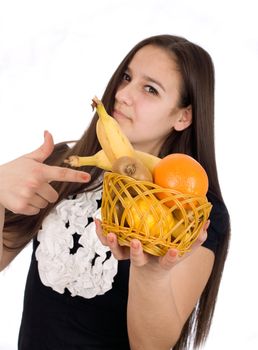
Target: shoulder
[[219, 222], [219, 213]]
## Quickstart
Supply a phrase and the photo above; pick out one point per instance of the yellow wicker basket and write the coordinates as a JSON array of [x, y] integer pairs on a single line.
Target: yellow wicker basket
[[131, 209]]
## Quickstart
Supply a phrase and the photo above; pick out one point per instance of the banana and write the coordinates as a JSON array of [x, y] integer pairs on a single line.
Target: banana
[[114, 143], [111, 138], [149, 160], [100, 160]]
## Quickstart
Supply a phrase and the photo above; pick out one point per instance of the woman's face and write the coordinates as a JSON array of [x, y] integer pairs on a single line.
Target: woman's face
[[147, 98]]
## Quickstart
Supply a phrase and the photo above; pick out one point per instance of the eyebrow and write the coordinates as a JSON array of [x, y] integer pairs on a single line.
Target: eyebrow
[[151, 80]]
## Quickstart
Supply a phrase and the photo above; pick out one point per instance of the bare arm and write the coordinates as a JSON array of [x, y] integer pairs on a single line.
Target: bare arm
[[158, 306], [162, 291], [25, 188]]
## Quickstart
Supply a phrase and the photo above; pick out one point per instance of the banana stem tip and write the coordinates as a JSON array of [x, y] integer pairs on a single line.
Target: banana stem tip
[[95, 102]]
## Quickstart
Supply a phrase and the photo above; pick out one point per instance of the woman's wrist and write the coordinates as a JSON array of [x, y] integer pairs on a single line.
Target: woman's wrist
[[149, 276]]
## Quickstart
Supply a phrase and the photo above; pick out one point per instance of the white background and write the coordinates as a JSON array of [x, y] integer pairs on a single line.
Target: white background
[[56, 55]]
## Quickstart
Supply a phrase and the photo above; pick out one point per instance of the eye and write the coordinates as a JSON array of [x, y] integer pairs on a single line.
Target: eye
[[150, 89], [126, 77]]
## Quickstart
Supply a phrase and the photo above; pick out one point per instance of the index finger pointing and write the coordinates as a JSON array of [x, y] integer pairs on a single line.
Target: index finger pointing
[[55, 173]]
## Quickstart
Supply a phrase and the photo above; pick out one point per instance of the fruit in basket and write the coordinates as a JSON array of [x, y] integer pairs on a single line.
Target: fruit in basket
[[132, 167], [148, 212], [181, 173]]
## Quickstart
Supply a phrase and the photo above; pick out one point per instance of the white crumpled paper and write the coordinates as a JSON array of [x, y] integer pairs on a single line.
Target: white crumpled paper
[[58, 268]]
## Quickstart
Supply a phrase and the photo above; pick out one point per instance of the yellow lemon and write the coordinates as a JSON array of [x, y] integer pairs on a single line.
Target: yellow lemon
[[149, 213]]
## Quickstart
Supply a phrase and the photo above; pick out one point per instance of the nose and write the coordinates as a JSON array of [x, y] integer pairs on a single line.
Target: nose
[[125, 95]]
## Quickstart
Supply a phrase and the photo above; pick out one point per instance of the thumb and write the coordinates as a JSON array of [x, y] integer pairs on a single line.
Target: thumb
[[44, 151]]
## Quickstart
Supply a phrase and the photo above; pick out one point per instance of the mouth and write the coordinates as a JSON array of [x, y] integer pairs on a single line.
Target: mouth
[[119, 115]]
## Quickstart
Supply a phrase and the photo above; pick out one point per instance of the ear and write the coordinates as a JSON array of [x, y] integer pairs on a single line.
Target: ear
[[184, 119]]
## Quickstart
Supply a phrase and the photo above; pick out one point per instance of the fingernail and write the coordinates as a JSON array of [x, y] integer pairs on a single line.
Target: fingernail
[[110, 238], [135, 244], [172, 253], [86, 177]]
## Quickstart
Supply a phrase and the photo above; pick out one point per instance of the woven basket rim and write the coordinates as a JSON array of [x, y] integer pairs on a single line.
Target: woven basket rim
[[117, 193]]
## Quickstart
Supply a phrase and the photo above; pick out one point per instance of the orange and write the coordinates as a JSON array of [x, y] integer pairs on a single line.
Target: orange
[[181, 173]]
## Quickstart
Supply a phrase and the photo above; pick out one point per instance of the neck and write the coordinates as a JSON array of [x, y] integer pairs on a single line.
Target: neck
[[153, 149]]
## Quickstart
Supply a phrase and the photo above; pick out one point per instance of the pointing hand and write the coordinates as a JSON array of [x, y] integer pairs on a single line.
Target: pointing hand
[[25, 182]]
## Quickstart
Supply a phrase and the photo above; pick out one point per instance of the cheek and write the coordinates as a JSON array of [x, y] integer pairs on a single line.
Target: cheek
[[155, 118], [148, 114], [153, 128]]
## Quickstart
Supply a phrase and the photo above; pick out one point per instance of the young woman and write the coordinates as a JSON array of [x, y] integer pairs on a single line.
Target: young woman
[[84, 291]]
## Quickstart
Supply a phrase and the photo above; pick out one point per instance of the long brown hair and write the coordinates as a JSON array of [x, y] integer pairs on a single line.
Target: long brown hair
[[197, 90]]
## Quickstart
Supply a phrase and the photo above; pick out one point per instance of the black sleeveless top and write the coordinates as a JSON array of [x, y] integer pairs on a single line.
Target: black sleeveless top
[[54, 320]]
